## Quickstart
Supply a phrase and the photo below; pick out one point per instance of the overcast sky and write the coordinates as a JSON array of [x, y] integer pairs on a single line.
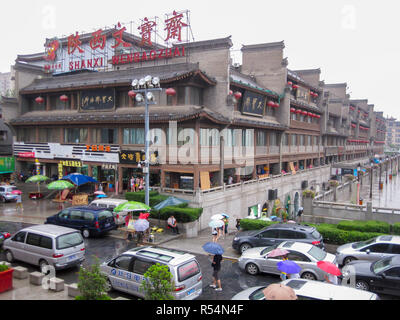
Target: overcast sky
[[353, 41]]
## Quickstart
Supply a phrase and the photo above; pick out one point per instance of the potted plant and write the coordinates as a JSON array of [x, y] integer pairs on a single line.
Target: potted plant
[[308, 194], [6, 278], [333, 183]]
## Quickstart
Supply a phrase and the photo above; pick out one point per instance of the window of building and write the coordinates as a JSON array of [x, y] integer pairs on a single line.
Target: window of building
[[26, 135], [248, 137], [230, 137], [293, 139], [301, 140], [105, 135], [133, 136], [3, 135], [261, 138], [75, 135], [273, 139], [285, 139], [57, 104], [122, 98], [196, 96], [309, 141]]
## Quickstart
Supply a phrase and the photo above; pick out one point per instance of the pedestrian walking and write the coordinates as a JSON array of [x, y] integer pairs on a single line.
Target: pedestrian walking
[[238, 224], [230, 180], [221, 230], [330, 278], [132, 184], [216, 264], [128, 235], [284, 275], [214, 234], [19, 202], [299, 214], [226, 221]]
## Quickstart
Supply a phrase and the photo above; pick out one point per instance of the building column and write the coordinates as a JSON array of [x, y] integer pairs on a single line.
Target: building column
[[196, 178], [120, 182], [162, 179], [48, 103]]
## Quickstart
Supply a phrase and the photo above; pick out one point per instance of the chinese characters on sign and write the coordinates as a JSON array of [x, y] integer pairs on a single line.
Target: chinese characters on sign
[[98, 148], [134, 157], [253, 103], [90, 51], [71, 163], [101, 99]]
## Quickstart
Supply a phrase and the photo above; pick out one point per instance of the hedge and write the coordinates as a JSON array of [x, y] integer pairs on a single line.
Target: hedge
[[396, 228], [365, 226], [155, 197], [253, 224], [181, 214]]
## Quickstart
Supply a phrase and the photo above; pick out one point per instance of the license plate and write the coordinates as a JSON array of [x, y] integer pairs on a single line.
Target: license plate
[[191, 291], [73, 257], [107, 225]]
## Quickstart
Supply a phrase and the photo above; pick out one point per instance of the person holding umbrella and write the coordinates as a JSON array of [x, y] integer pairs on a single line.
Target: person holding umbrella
[[331, 270], [217, 250]]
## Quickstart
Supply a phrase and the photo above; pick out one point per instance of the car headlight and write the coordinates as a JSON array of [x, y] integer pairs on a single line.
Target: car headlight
[[235, 239]]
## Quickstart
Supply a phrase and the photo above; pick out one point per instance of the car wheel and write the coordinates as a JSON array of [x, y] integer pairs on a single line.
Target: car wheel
[[252, 269], [9, 256], [308, 276], [43, 265], [86, 233], [348, 260], [362, 285], [108, 287], [245, 246]]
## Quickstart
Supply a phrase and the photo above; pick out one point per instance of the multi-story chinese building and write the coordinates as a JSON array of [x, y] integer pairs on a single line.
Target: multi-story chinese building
[[224, 124]]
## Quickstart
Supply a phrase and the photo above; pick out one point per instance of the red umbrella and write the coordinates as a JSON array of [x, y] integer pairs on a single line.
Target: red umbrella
[[16, 192], [144, 215], [329, 267], [277, 253]]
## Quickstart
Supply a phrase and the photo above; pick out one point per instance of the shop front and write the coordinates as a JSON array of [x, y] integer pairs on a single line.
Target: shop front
[[7, 168]]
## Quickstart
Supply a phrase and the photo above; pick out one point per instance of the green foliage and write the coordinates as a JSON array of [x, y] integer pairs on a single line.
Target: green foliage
[[308, 194], [396, 228], [333, 183], [181, 214], [254, 224], [158, 284], [3, 267], [92, 284], [365, 226], [139, 196]]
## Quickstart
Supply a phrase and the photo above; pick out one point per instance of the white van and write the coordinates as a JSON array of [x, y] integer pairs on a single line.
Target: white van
[[110, 204], [47, 244], [125, 272]]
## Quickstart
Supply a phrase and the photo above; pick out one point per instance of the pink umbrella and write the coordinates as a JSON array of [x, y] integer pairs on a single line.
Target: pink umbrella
[[99, 193], [16, 192], [277, 253], [329, 267], [278, 291]]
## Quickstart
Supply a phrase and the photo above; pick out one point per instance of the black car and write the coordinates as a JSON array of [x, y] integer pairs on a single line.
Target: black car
[[91, 221], [275, 234], [382, 276]]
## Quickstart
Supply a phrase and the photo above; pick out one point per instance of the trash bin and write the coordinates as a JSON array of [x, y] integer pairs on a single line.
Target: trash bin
[[361, 202]]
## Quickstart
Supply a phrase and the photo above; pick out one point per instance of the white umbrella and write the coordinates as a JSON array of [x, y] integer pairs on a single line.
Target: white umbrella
[[217, 217], [216, 224], [141, 225]]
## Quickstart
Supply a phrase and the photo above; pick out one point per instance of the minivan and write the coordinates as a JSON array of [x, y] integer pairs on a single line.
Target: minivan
[[125, 272], [44, 245], [90, 221], [110, 204]]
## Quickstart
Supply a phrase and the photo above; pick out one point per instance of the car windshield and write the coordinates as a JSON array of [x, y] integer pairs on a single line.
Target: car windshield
[[69, 240], [104, 215], [268, 249], [381, 265], [317, 253], [258, 294], [361, 244]]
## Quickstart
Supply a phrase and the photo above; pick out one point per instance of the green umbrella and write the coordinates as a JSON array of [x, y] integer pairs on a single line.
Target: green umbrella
[[37, 179], [132, 206], [60, 185]]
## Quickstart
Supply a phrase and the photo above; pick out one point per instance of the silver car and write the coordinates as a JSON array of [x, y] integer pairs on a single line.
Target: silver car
[[306, 255], [44, 245], [370, 250], [6, 193], [126, 271], [311, 290]]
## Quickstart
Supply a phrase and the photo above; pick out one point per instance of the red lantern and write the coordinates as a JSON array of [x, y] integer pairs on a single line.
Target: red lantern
[[271, 104], [276, 105], [39, 100], [309, 114], [132, 94], [318, 116], [290, 83], [304, 113], [170, 92], [238, 95], [298, 111], [230, 92], [64, 98], [292, 110], [316, 95]]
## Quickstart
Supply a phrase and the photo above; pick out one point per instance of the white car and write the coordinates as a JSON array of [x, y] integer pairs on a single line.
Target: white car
[[306, 255], [311, 290]]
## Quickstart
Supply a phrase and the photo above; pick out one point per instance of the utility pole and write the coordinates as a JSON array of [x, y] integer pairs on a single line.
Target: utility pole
[[370, 186]]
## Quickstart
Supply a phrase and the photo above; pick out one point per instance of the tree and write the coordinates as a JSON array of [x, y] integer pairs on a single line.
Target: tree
[[158, 284], [92, 284]]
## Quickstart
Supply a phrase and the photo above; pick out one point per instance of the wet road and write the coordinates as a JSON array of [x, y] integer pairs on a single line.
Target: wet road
[[233, 280]]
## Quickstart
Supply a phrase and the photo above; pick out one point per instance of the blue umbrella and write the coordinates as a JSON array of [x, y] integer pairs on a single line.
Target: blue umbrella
[[213, 248], [225, 215], [79, 179], [171, 201], [141, 225], [288, 266], [101, 196]]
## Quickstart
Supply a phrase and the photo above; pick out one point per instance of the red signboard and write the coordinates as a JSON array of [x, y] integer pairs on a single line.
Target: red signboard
[[26, 155]]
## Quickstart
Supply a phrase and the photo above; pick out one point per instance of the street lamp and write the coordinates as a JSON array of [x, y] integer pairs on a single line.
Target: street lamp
[[144, 88]]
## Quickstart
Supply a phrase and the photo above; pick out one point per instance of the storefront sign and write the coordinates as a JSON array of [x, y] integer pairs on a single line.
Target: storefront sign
[[108, 166], [79, 200], [134, 157], [99, 148], [71, 163], [100, 99], [7, 165], [26, 155], [253, 104]]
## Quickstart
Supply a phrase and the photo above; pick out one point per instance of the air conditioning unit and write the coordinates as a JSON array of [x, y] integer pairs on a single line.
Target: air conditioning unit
[[304, 184]]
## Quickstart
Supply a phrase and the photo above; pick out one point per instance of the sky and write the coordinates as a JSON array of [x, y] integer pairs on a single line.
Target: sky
[[352, 41]]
